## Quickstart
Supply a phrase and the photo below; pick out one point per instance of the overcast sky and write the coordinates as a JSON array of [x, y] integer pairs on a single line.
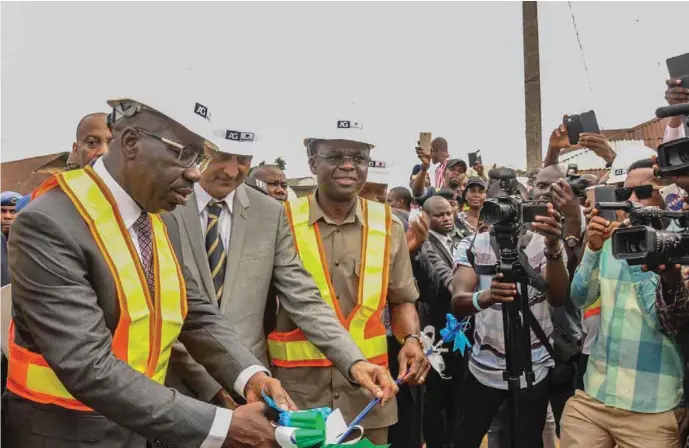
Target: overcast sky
[[283, 69]]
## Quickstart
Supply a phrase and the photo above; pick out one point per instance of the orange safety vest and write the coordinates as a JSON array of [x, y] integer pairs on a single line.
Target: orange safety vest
[[146, 330], [365, 325]]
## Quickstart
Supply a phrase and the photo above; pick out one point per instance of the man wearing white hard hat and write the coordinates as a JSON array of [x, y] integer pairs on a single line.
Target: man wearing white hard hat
[[238, 245], [357, 253], [100, 296]]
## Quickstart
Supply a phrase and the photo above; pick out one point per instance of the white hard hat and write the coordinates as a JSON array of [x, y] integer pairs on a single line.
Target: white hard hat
[[350, 130], [235, 139], [626, 156], [191, 113]]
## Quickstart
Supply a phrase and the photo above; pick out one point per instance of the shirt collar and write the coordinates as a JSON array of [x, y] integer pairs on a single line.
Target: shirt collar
[[203, 198], [129, 210], [316, 212], [441, 237]]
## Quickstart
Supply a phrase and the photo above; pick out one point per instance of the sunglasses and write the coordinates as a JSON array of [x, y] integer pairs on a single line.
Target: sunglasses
[[641, 192]]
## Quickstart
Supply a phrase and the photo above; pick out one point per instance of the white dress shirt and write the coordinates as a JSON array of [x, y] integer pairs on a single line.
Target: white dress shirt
[[130, 212], [225, 219]]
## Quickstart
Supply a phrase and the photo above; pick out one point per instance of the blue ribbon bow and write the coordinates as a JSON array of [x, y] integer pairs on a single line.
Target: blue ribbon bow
[[454, 331]]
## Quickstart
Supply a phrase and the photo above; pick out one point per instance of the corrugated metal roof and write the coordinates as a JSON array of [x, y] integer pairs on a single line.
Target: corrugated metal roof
[[24, 175]]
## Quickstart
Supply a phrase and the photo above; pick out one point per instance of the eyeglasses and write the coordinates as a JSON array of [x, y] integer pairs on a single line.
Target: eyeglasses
[[186, 155], [641, 192], [338, 160]]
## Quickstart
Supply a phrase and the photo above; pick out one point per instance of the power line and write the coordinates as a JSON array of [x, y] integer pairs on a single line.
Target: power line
[[581, 47]]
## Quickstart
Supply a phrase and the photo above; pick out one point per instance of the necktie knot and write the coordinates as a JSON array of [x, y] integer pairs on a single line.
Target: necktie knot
[[143, 224], [215, 208]]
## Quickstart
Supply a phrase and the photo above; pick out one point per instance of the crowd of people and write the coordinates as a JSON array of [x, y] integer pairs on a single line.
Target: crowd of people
[[162, 287]]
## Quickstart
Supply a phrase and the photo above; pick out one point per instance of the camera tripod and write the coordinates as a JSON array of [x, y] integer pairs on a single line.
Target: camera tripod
[[517, 319]]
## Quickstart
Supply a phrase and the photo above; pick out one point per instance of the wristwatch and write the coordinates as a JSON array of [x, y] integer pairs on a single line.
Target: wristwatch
[[572, 241], [412, 335]]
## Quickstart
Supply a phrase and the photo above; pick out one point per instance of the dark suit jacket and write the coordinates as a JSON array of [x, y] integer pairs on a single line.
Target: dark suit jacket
[[65, 307]]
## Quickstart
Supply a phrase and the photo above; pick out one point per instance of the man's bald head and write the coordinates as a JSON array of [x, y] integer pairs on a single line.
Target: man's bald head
[[431, 204], [439, 151], [545, 178], [93, 138], [440, 214]]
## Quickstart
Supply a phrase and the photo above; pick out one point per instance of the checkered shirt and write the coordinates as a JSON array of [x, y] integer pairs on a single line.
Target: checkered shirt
[[633, 365]]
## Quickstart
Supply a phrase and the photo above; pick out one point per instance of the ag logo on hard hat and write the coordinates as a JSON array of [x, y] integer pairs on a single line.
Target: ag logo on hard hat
[[202, 110], [239, 136], [346, 124]]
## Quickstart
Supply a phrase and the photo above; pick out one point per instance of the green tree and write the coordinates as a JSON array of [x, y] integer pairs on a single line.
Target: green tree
[[281, 163]]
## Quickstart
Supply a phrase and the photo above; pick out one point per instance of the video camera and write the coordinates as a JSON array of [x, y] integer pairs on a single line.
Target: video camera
[[578, 185], [510, 210], [646, 241], [673, 156]]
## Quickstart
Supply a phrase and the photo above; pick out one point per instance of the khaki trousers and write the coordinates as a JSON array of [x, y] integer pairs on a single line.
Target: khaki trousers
[[588, 423], [377, 436]]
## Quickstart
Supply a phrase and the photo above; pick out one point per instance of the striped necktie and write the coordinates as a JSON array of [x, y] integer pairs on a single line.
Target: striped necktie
[[217, 259]]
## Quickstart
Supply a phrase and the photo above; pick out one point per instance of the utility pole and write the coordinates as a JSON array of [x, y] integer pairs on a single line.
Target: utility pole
[[532, 86]]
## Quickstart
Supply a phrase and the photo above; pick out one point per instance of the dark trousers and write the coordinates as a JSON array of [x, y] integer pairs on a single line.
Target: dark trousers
[[478, 405], [581, 371], [406, 433], [440, 402]]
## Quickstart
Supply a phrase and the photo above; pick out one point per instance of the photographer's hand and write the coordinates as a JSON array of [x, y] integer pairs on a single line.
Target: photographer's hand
[[559, 140], [498, 293], [425, 159], [598, 231], [598, 144], [564, 200], [549, 226], [676, 94]]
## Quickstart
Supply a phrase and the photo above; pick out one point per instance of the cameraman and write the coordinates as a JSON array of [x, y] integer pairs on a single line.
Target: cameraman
[[484, 390], [633, 383]]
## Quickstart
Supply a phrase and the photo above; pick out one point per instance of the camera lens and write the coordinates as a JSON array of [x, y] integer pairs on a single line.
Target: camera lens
[[494, 211]]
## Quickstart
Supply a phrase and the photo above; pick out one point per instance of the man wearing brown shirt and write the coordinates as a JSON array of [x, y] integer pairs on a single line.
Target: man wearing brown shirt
[[341, 223]]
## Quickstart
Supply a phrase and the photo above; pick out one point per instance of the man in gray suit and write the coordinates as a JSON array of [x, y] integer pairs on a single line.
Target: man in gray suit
[[238, 245], [89, 347]]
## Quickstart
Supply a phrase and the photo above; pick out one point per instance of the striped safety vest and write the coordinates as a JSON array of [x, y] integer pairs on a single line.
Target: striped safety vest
[[365, 325], [146, 329]]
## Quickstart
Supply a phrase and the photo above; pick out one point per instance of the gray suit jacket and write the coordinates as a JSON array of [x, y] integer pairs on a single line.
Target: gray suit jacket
[[261, 260], [65, 307]]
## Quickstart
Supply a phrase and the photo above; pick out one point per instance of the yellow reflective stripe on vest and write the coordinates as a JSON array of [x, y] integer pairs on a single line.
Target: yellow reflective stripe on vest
[[133, 344], [309, 247], [304, 350], [373, 285], [171, 296]]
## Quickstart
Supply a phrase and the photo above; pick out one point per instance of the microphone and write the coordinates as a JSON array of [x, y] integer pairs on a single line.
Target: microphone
[[673, 111]]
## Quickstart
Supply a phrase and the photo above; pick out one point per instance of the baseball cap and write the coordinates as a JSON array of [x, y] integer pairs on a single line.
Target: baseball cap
[[453, 162], [9, 198], [475, 181]]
